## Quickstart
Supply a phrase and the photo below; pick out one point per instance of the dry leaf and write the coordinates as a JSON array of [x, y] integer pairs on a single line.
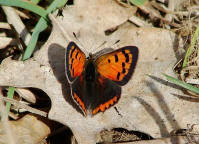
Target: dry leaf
[[27, 130], [148, 103]]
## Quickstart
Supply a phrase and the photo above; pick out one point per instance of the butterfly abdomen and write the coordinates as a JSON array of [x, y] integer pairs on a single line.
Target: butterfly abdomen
[[90, 84]]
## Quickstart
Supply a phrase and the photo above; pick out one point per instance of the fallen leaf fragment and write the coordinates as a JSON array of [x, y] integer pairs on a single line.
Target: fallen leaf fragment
[[27, 130]]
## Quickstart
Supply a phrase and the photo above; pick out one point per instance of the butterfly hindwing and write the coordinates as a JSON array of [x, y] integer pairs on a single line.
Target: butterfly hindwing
[[109, 95], [75, 60], [118, 65], [95, 97]]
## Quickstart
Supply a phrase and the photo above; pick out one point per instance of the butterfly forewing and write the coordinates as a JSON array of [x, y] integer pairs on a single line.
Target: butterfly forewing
[[118, 65], [75, 60]]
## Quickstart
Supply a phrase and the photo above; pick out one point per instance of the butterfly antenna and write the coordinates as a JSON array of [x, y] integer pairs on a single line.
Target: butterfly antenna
[[116, 42], [102, 44], [79, 42], [109, 47], [99, 46]]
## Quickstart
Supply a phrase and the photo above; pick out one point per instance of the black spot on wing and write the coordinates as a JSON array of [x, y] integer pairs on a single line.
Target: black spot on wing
[[123, 65], [123, 51], [123, 70], [71, 54], [127, 57], [118, 75], [116, 58], [109, 60], [76, 54]]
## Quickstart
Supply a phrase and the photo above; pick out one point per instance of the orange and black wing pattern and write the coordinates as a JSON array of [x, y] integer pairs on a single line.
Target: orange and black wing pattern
[[95, 97], [108, 96], [74, 61], [118, 65], [115, 70]]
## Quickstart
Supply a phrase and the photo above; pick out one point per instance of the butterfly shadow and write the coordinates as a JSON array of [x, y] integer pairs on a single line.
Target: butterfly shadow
[[56, 55], [161, 100], [163, 105], [155, 115]]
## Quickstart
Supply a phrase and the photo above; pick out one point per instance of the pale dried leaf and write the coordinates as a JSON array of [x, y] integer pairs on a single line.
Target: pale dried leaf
[[148, 104], [26, 94], [27, 130]]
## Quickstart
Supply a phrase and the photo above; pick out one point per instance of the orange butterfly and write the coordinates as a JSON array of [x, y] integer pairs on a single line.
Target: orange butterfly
[[96, 81]]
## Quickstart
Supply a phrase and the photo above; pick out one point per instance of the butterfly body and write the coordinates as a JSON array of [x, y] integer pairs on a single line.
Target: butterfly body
[[96, 81]]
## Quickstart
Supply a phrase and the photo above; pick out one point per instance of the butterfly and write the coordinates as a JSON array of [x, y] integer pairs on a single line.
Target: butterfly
[[96, 81]]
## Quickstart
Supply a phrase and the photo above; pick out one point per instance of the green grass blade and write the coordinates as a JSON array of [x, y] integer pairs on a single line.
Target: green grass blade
[[138, 2], [191, 48], [41, 25], [26, 5], [9, 95], [182, 84], [55, 5]]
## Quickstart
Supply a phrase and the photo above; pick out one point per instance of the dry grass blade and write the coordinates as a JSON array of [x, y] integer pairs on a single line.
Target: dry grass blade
[[17, 23], [28, 108], [139, 22], [191, 47]]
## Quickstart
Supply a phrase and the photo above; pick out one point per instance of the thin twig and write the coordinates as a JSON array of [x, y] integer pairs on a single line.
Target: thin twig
[[64, 33], [4, 25], [5, 41], [139, 22]]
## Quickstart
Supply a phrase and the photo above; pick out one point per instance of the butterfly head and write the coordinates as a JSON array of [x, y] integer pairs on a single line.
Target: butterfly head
[[90, 57]]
